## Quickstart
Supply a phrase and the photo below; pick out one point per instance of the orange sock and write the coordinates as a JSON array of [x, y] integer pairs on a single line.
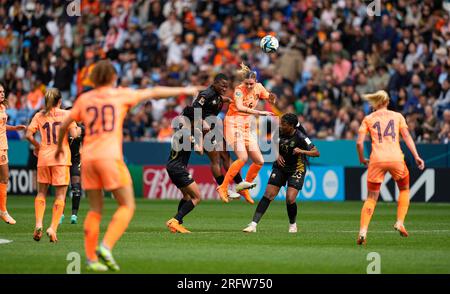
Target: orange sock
[[91, 232], [3, 191], [253, 172], [117, 226], [58, 209], [39, 209], [366, 213], [402, 205], [234, 169]]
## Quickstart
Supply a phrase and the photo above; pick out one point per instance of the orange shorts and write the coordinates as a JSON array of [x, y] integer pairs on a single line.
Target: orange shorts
[[239, 134], [377, 170], [3, 156], [104, 174], [58, 175]]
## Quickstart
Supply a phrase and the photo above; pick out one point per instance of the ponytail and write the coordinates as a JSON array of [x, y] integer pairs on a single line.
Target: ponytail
[[246, 73], [377, 99], [52, 98]]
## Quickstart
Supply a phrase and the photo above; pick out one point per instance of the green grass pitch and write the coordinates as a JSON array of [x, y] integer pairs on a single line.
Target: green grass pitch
[[325, 242]]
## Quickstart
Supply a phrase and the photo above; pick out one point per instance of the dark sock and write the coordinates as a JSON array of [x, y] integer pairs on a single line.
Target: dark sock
[[76, 197], [237, 179], [219, 180], [182, 201], [185, 209], [292, 212], [261, 209]]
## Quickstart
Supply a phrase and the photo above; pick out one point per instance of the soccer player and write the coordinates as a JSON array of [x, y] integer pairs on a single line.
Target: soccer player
[[50, 171], [210, 101], [4, 170], [103, 110], [237, 128], [177, 168], [289, 168], [384, 127], [75, 180]]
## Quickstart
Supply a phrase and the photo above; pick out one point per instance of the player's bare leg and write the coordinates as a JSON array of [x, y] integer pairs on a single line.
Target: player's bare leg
[[235, 168], [194, 194], [366, 215], [291, 206], [270, 193]]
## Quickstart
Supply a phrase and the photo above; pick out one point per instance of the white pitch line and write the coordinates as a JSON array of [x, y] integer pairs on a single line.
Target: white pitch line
[[4, 241]]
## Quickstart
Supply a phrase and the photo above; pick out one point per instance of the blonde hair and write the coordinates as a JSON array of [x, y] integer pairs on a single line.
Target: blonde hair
[[377, 99], [246, 73], [52, 98]]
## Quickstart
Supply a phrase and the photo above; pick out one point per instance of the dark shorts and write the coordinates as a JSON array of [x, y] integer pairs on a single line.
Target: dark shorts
[[75, 168], [279, 178], [179, 176]]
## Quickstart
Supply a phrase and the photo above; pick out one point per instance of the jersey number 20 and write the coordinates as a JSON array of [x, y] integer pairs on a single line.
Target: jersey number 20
[[388, 132], [101, 114]]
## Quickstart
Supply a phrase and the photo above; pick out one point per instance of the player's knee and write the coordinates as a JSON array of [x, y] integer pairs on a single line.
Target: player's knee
[[373, 187], [4, 179], [403, 184], [259, 161], [269, 197]]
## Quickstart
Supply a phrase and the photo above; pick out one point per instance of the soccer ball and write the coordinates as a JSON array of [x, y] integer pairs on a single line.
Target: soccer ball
[[269, 44]]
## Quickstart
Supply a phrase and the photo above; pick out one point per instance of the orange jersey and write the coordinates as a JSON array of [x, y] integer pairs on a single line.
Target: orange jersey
[[249, 99], [384, 127], [3, 120], [103, 111], [48, 126]]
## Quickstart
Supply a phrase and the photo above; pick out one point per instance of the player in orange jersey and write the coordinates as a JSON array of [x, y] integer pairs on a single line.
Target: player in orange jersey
[[103, 110], [50, 171], [384, 127], [238, 133], [4, 170]]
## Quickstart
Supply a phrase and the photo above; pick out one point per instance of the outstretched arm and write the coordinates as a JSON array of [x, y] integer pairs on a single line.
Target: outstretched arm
[[166, 92], [314, 152], [412, 147], [16, 128]]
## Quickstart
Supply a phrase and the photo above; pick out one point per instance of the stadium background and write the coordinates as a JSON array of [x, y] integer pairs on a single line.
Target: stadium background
[[331, 53]]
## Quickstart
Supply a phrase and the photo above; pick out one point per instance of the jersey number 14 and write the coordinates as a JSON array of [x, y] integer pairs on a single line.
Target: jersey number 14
[[389, 131]]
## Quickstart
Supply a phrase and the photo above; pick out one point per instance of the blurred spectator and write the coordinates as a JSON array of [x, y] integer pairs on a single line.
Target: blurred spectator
[[331, 53]]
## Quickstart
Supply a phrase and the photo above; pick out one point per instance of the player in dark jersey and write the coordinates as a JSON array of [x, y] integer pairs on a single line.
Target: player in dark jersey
[[75, 179], [211, 101], [177, 167], [289, 168]]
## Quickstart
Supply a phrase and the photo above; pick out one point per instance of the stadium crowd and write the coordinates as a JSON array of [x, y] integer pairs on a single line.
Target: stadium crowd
[[331, 52]]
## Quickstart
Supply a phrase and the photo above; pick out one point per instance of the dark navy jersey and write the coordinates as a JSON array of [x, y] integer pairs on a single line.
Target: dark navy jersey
[[209, 101], [75, 143], [294, 163], [179, 156]]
